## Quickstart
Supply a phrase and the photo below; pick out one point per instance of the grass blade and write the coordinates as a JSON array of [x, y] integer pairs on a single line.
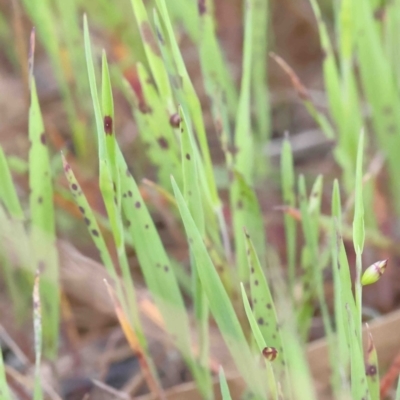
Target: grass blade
[[289, 200], [246, 213], [372, 370], [193, 200], [37, 325], [271, 386], [226, 395], [43, 225], [243, 131], [219, 302]]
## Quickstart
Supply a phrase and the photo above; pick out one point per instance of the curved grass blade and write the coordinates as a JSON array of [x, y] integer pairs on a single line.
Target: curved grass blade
[[219, 302], [42, 229]]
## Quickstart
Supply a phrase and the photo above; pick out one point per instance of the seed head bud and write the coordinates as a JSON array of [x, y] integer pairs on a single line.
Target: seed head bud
[[373, 273]]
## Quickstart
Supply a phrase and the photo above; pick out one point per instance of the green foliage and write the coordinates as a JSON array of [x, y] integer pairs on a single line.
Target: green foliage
[[260, 311]]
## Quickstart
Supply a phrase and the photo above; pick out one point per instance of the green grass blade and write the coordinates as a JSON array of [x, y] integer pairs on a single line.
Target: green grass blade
[[359, 386], [190, 102], [163, 146], [219, 302], [193, 199], [226, 395], [372, 370], [8, 195], [271, 385], [259, 83], [246, 213], [109, 178], [43, 225], [153, 55], [359, 230], [190, 176], [215, 71], [379, 86], [358, 221], [289, 200], [37, 327], [244, 160], [153, 260], [264, 313], [342, 359], [93, 86]]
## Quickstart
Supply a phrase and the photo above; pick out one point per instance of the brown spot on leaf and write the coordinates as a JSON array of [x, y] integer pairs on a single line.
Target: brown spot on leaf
[[87, 221], [201, 5], [175, 120], [137, 204], [370, 370], [95, 232], [81, 209], [108, 125], [40, 200], [43, 139], [163, 142], [74, 186], [187, 156]]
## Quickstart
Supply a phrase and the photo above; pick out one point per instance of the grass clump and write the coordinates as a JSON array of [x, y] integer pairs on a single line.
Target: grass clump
[[236, 278]]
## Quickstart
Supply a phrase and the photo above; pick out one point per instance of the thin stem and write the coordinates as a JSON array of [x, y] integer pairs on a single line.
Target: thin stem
[[358, 293]]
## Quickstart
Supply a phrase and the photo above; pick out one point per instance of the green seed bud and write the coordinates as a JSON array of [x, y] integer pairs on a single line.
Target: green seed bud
[[373, 273]]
